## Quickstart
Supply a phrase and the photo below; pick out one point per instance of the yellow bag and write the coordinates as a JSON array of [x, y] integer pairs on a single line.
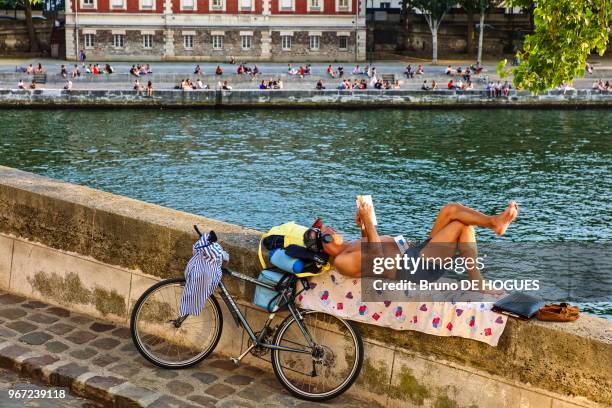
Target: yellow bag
[[293, 234]]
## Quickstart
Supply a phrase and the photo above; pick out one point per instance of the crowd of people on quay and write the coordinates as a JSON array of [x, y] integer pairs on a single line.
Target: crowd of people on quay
[[460, 78]]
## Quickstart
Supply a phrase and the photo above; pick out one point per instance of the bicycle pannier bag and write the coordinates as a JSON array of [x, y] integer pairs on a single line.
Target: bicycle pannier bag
[[265, 298]]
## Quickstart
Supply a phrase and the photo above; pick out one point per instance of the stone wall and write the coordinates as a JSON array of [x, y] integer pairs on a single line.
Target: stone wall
[[333, 99], [232, 46], [14, 38], [101, 251], [133, 45]]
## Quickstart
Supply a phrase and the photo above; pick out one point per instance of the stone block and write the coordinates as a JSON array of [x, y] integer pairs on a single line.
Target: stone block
[[6, 258]]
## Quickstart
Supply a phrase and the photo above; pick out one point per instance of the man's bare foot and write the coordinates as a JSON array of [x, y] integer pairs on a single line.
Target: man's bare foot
[[504, 219]]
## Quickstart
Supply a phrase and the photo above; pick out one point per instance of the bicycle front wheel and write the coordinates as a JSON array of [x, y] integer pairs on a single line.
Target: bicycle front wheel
[[333, 364], [167, 339]]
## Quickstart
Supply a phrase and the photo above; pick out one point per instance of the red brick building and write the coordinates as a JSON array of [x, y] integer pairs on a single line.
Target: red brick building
[[267, 30]]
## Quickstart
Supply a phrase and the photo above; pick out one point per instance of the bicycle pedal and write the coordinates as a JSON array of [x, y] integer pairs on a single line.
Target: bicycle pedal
[[235, 361]]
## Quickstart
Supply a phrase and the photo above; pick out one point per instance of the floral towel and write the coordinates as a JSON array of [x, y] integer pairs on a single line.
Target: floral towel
[[341, 296]]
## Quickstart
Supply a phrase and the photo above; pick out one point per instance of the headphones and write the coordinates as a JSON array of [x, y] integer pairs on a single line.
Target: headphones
[[314, 238]]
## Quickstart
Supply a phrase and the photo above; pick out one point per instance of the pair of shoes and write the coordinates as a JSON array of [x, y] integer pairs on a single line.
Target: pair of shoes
[[563, 312]]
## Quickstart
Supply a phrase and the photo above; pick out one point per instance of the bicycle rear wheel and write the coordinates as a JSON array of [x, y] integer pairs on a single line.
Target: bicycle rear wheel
[[333, 365], [166, 339]]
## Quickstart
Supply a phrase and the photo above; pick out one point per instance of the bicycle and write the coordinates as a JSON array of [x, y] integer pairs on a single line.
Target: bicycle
[[316, 356]]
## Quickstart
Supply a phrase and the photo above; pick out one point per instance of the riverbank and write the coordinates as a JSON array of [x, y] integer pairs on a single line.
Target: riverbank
[[111, 248], [335, 99]]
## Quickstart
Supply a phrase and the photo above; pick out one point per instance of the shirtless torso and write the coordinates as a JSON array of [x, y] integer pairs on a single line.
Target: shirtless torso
[[347, 261]]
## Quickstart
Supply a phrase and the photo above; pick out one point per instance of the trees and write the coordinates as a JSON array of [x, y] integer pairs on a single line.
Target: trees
[[566, 32], [471, 7], [434, 11], [27, 7]]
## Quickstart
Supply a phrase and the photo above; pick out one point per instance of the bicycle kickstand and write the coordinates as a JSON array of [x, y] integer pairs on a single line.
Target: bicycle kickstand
[[236, 360]]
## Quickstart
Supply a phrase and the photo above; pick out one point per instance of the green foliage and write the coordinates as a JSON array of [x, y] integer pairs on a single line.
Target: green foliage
[[566, 32]]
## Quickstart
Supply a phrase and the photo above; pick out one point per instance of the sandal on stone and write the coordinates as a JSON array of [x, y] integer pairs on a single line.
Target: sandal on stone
[[563, 312]]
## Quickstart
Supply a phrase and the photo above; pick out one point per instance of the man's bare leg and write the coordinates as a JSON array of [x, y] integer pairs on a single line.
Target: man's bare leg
[[468, 216]]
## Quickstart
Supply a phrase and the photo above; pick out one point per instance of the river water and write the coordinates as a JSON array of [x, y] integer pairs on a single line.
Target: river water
[[261, 168]]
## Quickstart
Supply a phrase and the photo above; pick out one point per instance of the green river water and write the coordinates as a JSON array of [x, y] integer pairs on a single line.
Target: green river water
[[264, 167]]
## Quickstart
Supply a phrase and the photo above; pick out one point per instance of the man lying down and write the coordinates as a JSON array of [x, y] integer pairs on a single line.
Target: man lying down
[[452, 233]]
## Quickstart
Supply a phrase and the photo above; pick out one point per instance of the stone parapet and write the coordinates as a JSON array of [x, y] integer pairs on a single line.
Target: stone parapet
[[333, 99], [94, 252]]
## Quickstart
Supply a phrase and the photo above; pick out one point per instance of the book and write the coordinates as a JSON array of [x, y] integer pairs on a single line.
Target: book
[[367, 199]]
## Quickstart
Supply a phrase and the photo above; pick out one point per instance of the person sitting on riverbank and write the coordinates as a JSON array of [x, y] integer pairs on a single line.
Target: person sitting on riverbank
[[218, 70], [33, 84], [224, 86], [200, 85], [149, 88], [408, 72], [357, 70], [68, 85], [608, 86], [63, 71], [467, 75], [452, 232], [134, 71], [420, 70], [75, 71], [345, 85], [506, 87], [108, 69], [450, 85], [478, 68], [137, 86], [39, 69], [450, 71], [21, 84], [330, 72], [425, 86], [319, 85], [198, 70], [434, 85]]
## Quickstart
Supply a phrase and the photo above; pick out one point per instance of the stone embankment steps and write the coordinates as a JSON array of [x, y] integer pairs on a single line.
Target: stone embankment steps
[[97, 360]]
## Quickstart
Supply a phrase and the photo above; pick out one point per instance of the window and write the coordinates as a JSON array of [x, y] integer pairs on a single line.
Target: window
[[217, 4], [147, 41], [90, 40], [188, 41], [118, 40], [117, 4], [146, 4], [343, 42], [88, 3], [245, 41], [286, 4], [343, 4], [315, 4], [187, 4], [315, 42], [385, 5], [286, 42], [246, 4], [217, 42]]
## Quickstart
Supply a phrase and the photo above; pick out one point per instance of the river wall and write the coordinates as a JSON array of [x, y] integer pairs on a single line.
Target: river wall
[[300, 99], [95, 253]]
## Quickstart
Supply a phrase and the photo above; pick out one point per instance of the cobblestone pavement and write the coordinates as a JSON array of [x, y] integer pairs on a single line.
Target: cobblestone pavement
[[98, 360], [10, 381]]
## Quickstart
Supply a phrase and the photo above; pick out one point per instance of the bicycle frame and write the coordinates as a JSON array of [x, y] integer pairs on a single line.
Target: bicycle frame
[[242, 321]]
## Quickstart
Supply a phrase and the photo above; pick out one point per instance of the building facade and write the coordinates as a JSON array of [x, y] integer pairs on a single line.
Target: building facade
[[216, 30]]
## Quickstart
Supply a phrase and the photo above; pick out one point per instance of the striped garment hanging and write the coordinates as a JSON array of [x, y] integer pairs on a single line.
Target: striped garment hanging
[[202, 274]]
